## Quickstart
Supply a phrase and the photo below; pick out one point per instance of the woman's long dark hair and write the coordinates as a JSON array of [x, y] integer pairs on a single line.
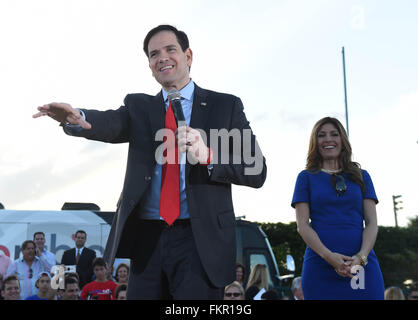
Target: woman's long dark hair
[[314, 159]]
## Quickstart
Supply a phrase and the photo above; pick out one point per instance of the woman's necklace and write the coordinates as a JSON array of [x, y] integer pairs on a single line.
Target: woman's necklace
[[331, 171]]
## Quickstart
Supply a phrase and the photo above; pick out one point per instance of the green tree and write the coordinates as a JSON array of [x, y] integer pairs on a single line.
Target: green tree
[[284, 239]]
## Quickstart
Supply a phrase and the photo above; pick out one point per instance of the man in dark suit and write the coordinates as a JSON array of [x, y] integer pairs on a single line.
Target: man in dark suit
[[80, 256], [194, 256]]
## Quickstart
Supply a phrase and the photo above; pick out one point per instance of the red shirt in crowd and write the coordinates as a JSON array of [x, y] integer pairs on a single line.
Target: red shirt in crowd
[[99, 291]]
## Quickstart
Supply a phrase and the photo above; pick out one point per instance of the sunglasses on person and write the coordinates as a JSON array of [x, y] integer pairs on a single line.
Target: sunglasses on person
[[234, 294], [339, 183], [30, 273]]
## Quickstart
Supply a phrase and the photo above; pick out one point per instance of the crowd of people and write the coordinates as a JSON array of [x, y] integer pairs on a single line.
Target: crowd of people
[[258, 286], [32, 277]]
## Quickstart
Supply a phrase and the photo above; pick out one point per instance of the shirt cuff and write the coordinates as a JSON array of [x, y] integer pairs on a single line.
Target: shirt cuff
[[73, 128], [210, 169]]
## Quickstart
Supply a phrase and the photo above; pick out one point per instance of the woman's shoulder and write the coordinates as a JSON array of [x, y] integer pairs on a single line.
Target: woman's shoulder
[[365, 174], [305, 173]]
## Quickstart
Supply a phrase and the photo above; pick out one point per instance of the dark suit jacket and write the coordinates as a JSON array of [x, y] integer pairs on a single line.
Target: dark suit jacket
[[84, 267], [209, 197]]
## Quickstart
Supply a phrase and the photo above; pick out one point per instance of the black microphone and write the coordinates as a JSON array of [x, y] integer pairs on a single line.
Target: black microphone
[[174, 96]]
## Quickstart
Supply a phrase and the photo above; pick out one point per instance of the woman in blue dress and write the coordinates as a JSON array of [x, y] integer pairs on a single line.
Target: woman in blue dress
[[332, 198]]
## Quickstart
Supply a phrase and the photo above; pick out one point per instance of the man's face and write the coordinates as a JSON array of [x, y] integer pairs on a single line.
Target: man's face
[[122, 295], [80, 239], [233, 293], [11, 290], [71, 293], [167, 61], [40, 241], [100, 272], [298, 293], [29, 252], [44, 284]]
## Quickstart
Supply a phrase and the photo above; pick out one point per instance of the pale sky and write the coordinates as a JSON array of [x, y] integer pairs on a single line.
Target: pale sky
[[282, 58]]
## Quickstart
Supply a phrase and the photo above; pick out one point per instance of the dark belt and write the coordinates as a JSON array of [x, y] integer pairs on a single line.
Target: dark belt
[[163, 224]]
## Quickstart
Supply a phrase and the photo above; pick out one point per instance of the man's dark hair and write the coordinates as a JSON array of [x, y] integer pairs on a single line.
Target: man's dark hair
[[70, 280], [180, 35], [36, 233], [119, 288], [81, 231], [99, 262], [73, 275], [8, 279], [25, 244], [270, 295]]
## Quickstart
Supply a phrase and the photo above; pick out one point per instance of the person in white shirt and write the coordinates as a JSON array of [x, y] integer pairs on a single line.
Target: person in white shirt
[[39, 239], [27, 269]]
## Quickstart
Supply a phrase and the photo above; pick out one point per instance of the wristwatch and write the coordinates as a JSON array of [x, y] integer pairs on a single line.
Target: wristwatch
[[363, 260]]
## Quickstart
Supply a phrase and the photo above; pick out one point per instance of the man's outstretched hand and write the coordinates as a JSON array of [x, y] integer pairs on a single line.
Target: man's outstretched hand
[[63, 113]]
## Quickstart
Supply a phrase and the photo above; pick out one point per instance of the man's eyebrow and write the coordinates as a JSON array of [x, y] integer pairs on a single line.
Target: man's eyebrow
[[170, 46]]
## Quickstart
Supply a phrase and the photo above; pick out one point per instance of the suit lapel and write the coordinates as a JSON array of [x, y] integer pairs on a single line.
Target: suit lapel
[[200, 114], [156, 112], [73, 255], [200, 109]]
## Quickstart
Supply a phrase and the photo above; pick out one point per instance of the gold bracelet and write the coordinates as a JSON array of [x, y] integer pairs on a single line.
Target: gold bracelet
[[363, 260]]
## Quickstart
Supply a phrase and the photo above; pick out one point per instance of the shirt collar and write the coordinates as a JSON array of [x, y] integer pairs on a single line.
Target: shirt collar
[[186, 92]]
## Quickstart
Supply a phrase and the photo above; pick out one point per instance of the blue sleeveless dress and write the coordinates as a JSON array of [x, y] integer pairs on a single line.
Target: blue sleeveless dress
[[338, 221]]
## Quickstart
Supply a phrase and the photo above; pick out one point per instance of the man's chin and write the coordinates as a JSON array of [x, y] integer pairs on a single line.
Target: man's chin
[[166, 83]]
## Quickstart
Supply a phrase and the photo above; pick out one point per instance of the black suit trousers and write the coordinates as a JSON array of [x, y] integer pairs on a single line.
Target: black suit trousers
[[173, 269]]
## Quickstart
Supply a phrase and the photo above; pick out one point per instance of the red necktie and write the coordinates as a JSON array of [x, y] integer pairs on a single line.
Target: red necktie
[[77, 258], [170, 179]]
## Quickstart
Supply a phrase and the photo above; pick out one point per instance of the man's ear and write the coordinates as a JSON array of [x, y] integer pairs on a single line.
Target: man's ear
[[189, 56]]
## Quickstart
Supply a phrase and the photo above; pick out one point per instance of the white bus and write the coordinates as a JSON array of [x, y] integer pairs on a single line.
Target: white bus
[[59, 228]]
